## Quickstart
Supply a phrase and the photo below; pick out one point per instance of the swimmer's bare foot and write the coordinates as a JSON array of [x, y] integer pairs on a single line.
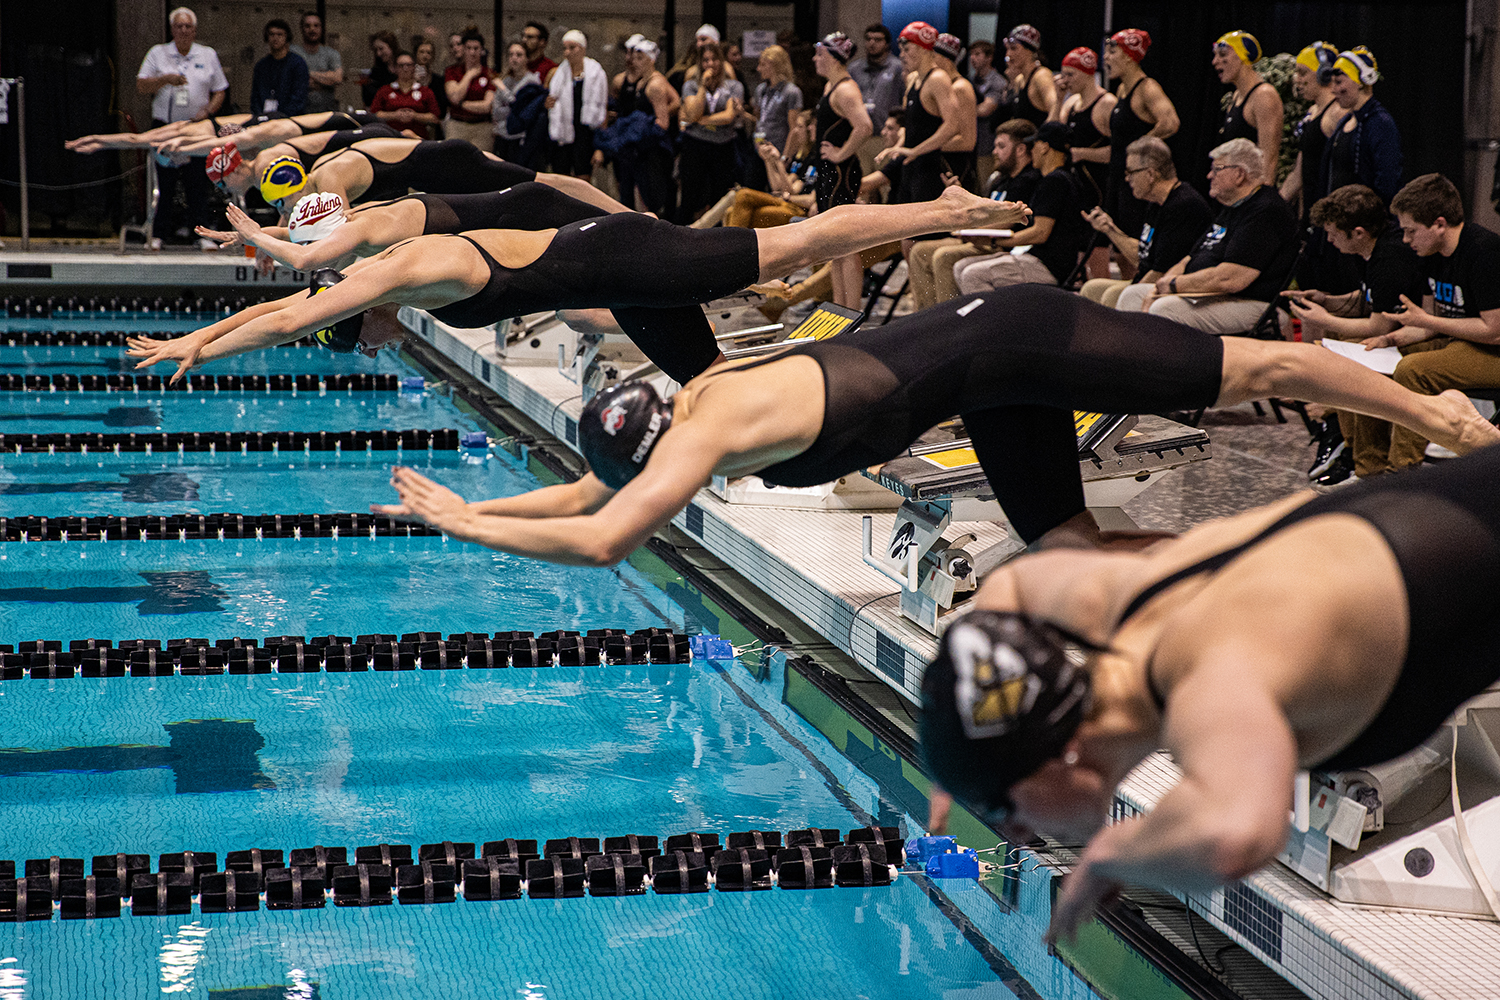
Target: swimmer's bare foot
[[1470, 431], [773, 287], [979, 213]]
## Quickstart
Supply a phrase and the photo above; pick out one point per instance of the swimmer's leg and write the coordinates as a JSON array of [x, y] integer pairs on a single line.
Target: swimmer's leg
[[1256, 369], [1030, 456], [680, 340], [849, 229]]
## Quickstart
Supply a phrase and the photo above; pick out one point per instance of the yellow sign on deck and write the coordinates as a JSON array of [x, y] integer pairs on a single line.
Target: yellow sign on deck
[[826, 321], [953, 458], [1084, 422]]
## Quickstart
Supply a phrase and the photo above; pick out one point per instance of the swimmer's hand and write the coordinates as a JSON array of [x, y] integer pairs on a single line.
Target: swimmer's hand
[[226, 241], [426, 501], [1082, 892], [183, 350], [86, 144], [773, 287]]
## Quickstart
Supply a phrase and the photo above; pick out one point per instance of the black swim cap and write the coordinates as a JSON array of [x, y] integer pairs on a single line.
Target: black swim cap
[[343, 336], [1002, 698], [618, 429]]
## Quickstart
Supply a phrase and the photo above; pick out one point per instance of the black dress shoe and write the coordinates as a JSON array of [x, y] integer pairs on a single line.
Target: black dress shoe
[[1340, 472], [1331, 445]]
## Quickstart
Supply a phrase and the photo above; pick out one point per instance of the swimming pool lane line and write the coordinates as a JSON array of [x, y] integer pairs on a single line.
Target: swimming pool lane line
[[123, 382]]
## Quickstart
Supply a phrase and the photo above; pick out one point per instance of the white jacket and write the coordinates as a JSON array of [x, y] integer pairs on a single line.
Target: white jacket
[[595, 100]]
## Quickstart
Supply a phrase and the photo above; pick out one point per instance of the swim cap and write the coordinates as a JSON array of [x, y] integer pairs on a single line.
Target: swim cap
[[1318, 56], [1242, 44], [838, 45], [1003, 697], [1134, 42], [1025, 35], [1083, 60], [618, 429], [576, 36], [316, 217], [1358, 64], [921, 34], [283, 176], [647, 48], [707, 31], [343, 336], [633, 41], [949, 45], [222, 160]]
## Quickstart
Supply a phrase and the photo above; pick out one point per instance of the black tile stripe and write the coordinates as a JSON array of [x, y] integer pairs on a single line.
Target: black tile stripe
[[124, 382], [442, 438]]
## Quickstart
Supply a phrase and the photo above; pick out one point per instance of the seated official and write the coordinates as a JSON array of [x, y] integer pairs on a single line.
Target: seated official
[[1356, 223], [1014, 363], [1057, 233], [931, 262], [1176, 217], [1240, 264], [1076, 666], [1452, 339]]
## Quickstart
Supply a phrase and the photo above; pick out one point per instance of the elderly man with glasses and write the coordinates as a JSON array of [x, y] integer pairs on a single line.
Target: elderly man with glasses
[[185, 83], [1223, 285]]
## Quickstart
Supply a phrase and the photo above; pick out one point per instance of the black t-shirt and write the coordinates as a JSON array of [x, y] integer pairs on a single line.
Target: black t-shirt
[[1259, 232], [1393, 270], [1468, 282], [1173, 227], [1021, 187], [1055, 198]]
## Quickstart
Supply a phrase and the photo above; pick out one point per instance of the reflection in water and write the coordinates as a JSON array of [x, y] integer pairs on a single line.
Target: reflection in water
[[189, 592], [149, 487], [115, 416]]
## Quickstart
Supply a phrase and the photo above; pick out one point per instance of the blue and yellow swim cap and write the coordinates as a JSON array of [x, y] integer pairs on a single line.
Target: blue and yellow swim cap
[[1242, 44], [282, 177]]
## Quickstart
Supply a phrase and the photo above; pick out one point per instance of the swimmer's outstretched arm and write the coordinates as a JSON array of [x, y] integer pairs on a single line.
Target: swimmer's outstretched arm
[[1224, 819], [577, 532], [343, 241], [125, 140], [185, 349]]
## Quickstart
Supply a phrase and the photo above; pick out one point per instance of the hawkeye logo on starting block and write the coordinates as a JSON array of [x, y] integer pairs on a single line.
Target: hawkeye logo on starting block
[[826, 321]]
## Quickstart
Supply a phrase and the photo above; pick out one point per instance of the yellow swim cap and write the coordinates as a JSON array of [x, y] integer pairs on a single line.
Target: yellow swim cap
[[283, 176], [1243, 45], [1358, 64], [1318, 56]]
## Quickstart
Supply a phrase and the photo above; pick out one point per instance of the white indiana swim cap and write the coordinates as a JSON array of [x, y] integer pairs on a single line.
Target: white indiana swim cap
[[316, 217]]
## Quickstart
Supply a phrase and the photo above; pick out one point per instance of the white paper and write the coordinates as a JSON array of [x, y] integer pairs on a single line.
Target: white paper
[[993, 234], [1382, 359]]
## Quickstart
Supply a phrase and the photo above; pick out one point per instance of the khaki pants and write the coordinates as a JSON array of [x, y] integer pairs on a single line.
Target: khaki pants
[[1222, 315], [982, 274], [481, 134], [931, 265], [1428, 368], [1105, 291], [754, 209]]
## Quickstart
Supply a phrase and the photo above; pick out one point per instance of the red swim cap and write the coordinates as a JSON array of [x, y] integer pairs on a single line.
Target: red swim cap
[[920, 33], [1133, 42], [1082, 59]]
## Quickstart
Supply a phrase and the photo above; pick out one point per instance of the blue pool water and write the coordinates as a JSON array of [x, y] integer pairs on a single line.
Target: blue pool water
[[230, 762]]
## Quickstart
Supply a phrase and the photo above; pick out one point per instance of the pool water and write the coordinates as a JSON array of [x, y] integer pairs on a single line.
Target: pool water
[[230, 762]]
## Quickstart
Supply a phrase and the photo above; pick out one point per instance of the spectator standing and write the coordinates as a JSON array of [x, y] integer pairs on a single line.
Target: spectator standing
[[1452, 339], [1033, 93], [1365, 147], [428, 75], [1240, 264], [1255, 111], [382, 71], [1177, 216], [279, 82], [325, 67], [508, 144], [470, 86], [843, 125], [577, 103], [711, 106], [1054, 239], [777, 99], [958, 153], [880, 80], [705, 35], [992, 90], [185, 83], [535, 36], [1320, 266], [1142, 108], [931, 117], [1085, 108], [406, 104], [932, 262], [644, 164]]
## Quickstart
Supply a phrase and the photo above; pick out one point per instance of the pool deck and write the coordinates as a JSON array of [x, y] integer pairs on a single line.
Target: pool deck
[[810, 561]]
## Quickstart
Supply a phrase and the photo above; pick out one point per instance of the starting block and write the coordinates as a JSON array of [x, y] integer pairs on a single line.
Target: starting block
[[940, 481]]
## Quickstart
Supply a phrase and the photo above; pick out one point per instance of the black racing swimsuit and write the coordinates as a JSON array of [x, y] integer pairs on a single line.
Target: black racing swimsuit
[[343, 139], [921, 178], [1234, 125], [342, 121], [1125, 127], [1309, 139], [1443, 526], [1092, 177], [1015, 364], [452, 166], [837, 183], [650, 274], [532, 206]]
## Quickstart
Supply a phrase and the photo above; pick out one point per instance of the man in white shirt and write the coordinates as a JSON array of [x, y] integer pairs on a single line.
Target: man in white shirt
[[186, 83]]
